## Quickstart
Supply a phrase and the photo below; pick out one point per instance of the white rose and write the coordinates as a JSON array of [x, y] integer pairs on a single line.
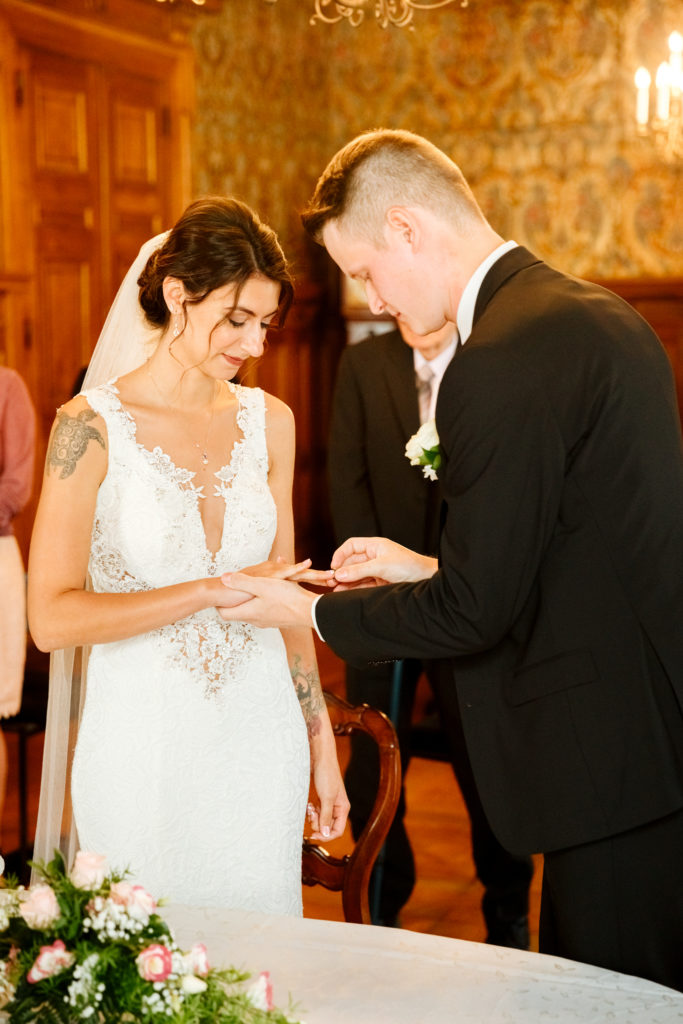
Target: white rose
[[414, 451], [89, 870], [424, 440], [427, 435], [192, 984]]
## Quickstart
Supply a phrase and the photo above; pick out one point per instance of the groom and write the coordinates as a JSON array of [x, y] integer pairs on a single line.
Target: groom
[[559, 590]]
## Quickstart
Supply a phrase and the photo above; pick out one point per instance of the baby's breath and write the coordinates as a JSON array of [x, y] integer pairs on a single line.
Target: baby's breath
[[103, 956]]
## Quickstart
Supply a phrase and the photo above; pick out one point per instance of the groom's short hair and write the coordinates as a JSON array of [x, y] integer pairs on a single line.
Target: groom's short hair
[[382, 168]]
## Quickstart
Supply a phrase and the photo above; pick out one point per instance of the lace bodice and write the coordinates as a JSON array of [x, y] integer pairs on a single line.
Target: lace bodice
[[148, 530]]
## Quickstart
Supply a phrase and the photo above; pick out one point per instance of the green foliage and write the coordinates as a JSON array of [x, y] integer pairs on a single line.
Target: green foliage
[[98, 979]]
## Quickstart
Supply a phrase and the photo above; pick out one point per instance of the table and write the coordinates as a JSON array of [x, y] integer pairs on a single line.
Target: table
[[341, 973]]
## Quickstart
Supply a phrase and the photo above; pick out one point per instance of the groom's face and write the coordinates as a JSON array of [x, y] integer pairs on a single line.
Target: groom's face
[[389, 273]]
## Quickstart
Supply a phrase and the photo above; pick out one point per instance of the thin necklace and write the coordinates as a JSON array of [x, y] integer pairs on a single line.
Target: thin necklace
[[203, 450]]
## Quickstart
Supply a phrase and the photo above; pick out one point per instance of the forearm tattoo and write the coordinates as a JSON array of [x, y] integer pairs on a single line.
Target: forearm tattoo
[[69, 442], [310, 694]]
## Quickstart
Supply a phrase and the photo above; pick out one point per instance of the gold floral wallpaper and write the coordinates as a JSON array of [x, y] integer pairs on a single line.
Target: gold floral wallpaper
[[533, 98]]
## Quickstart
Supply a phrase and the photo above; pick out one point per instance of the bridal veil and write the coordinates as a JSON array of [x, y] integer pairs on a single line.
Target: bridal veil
[[126, 341]]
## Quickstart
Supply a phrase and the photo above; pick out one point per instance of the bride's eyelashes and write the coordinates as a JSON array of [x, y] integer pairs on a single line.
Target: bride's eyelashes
[[243, 323]]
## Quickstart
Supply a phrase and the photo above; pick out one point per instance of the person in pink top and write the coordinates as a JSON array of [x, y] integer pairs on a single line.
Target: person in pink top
[[17, 451]]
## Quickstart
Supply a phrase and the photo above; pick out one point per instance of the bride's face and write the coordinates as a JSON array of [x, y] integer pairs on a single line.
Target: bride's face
[[219, 335]]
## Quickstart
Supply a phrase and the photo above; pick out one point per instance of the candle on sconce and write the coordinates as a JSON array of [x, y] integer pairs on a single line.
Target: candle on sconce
[[663, 84], [676, 62], [642, 79]]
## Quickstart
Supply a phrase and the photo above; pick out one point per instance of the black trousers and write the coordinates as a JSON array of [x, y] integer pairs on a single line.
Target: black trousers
[[618, 902], [505, 877]]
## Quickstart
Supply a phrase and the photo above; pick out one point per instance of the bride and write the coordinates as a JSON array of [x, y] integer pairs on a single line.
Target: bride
[[193, 758]]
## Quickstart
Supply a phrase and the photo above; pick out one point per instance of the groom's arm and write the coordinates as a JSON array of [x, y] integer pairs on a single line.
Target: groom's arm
[[503, 478]]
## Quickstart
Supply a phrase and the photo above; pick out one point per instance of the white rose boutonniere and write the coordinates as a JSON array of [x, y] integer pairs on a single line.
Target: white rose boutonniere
[[423, 449]]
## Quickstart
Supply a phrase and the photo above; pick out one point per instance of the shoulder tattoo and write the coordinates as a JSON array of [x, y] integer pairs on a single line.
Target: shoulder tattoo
[[69, 441]]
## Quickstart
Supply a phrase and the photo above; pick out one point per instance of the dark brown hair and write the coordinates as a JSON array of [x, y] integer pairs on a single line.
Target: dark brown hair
[[217, 241]]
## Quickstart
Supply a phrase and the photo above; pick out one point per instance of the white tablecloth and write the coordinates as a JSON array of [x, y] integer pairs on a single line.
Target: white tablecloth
[[342, 973]]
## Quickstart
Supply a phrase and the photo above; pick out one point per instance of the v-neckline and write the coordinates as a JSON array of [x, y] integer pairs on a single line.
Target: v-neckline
[[182, 476]]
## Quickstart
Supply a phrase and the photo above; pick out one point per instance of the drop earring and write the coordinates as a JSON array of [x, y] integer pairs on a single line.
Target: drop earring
[[176, 323]]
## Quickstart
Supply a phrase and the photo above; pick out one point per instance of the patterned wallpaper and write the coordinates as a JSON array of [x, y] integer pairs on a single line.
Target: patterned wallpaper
[[533, 98]]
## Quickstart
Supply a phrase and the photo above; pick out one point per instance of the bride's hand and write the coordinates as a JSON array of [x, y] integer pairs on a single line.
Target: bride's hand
[[226, 597], [374, 561], [299, 572], [327, 817]]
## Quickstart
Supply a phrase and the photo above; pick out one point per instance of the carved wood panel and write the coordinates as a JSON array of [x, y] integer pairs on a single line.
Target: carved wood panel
[[65, 175], [140, 153]]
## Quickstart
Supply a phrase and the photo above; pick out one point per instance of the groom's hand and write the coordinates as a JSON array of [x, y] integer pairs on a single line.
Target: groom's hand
[[271, 602], [374, 561]]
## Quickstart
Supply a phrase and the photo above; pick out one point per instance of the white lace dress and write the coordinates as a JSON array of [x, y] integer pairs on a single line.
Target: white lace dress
[[192, 763]]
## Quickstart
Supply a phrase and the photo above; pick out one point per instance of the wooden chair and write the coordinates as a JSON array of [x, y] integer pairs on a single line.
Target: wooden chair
[[350, 874]]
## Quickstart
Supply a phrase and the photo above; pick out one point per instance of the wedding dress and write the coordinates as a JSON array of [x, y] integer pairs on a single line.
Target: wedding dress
[[191, 765]]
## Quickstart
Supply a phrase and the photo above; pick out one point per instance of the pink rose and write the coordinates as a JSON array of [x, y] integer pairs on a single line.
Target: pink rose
[[260, 994], [51, 960], [197, 960], [41, 908], [89, 870], [155, 963], [121, 893], [134, 898]]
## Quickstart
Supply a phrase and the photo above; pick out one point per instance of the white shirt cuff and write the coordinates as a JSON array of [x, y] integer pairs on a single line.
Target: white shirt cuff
[[313, 618]]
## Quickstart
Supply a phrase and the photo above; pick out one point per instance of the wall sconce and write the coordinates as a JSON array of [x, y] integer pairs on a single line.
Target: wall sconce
[[664, 123]]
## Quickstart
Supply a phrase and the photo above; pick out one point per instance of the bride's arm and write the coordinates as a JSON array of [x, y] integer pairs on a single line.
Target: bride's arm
[[329, 817], [61, 612]]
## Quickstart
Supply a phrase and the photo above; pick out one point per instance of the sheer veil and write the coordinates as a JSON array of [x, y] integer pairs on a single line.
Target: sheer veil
[[126, 341]]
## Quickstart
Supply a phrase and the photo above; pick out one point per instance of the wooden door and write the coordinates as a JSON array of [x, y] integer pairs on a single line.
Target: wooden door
[[94, 152], [64, 169], [139, 155]]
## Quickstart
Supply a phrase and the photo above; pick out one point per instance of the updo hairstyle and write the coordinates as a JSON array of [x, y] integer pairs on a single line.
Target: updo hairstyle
[[217, 241]]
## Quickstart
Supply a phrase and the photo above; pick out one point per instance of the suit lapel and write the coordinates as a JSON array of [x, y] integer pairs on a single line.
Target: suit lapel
[[400, 376]]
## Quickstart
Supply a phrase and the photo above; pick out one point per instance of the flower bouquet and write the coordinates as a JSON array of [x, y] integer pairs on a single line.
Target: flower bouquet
[[423, 449], [85, 945]]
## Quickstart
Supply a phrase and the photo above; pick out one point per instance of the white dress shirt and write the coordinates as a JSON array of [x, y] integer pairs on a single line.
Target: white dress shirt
[[438, 367]]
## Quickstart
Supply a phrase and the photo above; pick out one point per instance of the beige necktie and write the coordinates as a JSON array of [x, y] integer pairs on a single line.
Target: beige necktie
[[424, 378]]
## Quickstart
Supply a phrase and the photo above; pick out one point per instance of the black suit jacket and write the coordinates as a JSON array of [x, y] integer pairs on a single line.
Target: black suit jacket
[[374, 491], [560, 594]]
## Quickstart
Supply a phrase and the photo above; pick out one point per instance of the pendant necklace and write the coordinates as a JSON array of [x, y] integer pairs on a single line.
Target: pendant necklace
[[202, 449]]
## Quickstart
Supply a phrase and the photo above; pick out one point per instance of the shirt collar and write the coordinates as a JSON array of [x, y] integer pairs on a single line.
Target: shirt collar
[[465, 315], [439, 363]]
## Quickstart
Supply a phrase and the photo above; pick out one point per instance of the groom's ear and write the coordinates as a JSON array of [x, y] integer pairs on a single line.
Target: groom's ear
[[174, 294], [402, 222]]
